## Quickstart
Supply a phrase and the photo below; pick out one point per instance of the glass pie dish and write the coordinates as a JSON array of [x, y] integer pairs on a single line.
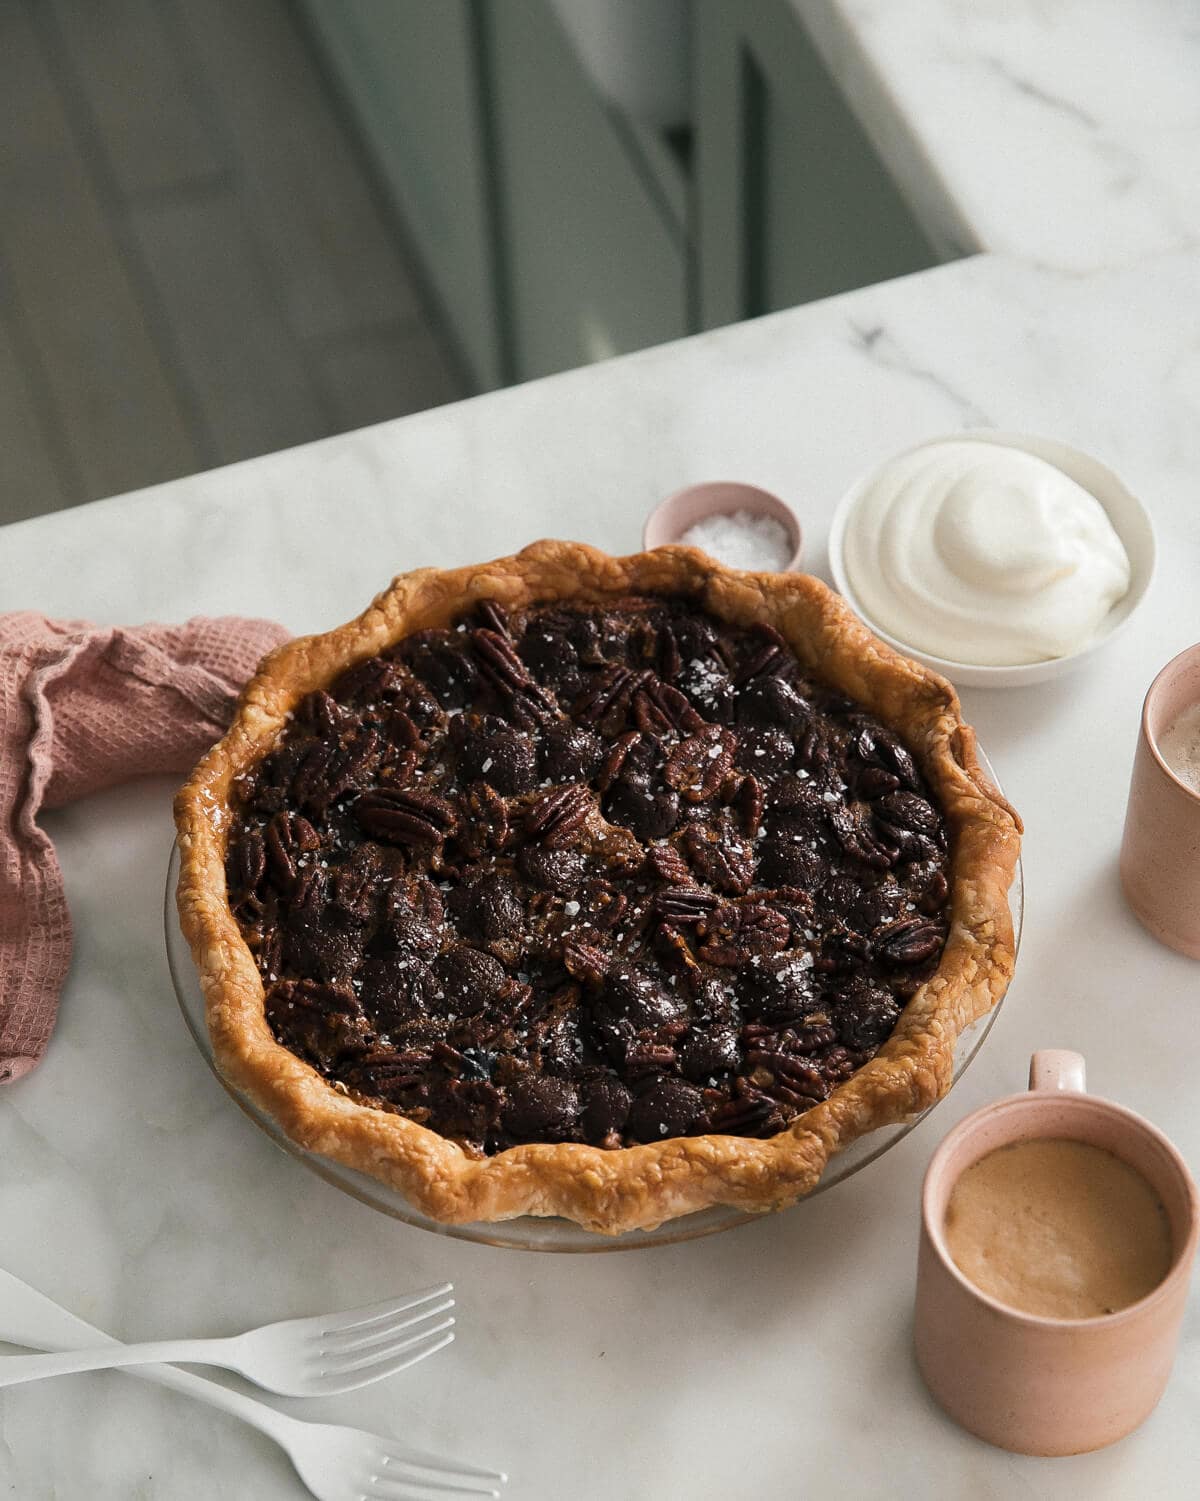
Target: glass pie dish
[[526, 1232]]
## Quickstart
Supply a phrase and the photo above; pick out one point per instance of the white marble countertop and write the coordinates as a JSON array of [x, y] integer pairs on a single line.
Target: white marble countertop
[[1061, 130], [773, 1360]]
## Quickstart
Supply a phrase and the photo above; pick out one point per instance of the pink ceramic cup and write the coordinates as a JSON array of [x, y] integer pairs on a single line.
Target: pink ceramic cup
[[1040, 1385], [1160, 852]]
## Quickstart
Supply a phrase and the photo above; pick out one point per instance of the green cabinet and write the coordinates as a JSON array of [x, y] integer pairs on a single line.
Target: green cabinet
[[793, 202], [556, 228], [411, 74], [594, 263]]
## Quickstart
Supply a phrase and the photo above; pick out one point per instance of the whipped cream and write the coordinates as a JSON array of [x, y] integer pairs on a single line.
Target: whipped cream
[[983, 554]]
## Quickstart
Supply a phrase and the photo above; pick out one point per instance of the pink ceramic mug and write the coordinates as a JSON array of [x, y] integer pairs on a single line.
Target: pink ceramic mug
[[1040, 1385], [1160, 853]]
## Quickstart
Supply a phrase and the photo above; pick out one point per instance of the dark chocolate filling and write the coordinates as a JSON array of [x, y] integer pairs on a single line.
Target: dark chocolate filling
[[602, 874]]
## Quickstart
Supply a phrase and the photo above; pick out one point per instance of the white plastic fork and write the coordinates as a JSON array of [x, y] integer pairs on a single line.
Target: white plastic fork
[[316, 1357], [335, 1463]]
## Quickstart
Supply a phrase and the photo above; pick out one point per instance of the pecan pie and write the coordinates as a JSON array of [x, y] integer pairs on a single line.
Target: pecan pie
[[595, 887]]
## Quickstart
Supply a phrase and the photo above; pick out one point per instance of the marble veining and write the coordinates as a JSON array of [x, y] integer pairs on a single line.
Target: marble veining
[[773, 1359], [1060, 130]]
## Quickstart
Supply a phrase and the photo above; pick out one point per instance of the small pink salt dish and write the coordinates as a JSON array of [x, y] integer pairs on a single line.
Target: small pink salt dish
[[1022, 1381], [676, 515], [1160, 851]]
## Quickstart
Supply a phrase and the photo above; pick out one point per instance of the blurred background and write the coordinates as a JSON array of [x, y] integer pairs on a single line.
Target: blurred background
[[230, 226]]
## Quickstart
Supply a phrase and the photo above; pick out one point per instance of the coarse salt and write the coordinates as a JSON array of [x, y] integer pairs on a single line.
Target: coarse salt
[[742, 540]]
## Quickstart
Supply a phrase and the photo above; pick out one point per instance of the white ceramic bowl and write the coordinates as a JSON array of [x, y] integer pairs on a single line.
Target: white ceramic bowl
[[1130, 520]]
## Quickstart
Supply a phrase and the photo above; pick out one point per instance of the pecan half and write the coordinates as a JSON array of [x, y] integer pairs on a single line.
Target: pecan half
[[859, 841], [698, 765], [879, 747], [494, 616], [649, 1058], [330, 769], [910, 847], [755, 1036], [798, 1076], [815, 755], [309, 893], [356, 885], [321, 712], [604, 906], [749, 1114], [514, 999], [309, 787], [905, 810], [665, 862], [485, 820], [735, 933], [405, 818], [503, 668], [746, 798], [288, 836], [841, 951], [768, 655], [685, 904], [368, 681], [608, 695], [388, 1074], [584, 962], [724, 863], [933, 898], [268, 952], [814, 1037], [875, 782], [661, 710], [909, 940], [554, 818], [649, 718], [452, 1059], [670, 661], [618, 754], [397, 768], [674, 949], [839, 1063], [401, 730], [246, 865], [314, 996]]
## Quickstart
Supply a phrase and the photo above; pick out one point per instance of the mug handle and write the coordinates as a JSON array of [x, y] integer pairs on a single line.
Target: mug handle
[[1056, 1069]]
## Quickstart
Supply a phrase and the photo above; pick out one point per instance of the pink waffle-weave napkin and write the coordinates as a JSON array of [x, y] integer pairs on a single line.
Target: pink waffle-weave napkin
[[83, 707]]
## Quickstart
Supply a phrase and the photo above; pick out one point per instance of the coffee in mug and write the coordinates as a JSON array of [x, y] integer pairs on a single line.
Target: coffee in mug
[[1059, 1228], [1078, 1377]]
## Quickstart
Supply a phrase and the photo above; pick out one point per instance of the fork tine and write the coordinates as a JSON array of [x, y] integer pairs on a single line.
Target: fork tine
[[352, 1378], [416, 1459], [385, 1487], [378, 1336], [416, 1490], [377, 1359], [356, 1318]]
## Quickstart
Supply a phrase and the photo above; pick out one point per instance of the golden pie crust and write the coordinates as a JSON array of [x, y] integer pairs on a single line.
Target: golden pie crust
[[635, 1187]]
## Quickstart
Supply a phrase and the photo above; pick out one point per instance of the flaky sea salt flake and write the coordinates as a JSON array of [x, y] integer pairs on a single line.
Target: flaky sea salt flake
[[742, 540]]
